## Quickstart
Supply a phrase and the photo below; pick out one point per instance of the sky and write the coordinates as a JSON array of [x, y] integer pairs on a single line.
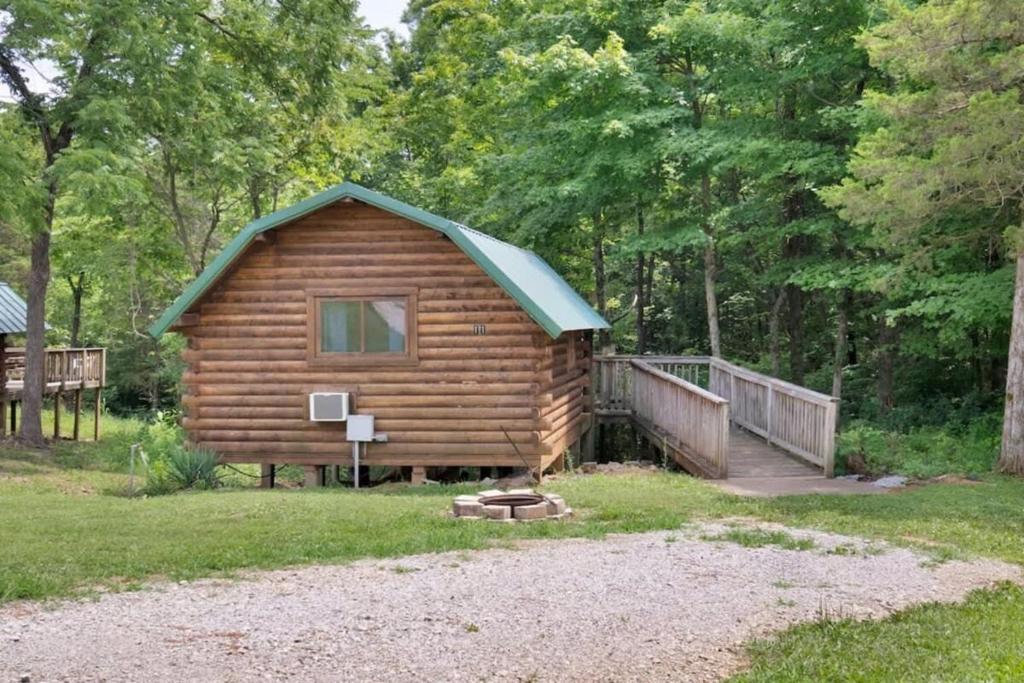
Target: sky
[[384, 14], [376, 13]]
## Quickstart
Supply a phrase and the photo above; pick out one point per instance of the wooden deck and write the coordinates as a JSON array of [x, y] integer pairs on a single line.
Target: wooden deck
[[751, 457], [718, 420], [69, 373]]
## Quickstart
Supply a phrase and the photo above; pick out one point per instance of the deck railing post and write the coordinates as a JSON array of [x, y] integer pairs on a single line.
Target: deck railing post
[[768, 413]]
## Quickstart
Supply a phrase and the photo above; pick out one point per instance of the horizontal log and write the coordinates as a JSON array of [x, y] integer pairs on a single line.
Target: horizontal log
[[463, 317], [391, 272], [337, 436], [466, 328], [389, 460], [437, 285], [345, 258], [491, 341], [512, 389], [469, 380], [329, 449], [427, 369], [300, 422]]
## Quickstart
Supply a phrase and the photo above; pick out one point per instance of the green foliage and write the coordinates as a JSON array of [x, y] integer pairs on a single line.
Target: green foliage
[[923, 452], [193, 468]]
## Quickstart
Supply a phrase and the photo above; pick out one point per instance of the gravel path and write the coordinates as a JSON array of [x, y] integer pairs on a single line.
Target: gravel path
[[664, 606]]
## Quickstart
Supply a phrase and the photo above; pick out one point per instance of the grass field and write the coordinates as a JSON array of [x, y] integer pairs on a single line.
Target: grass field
[[67, 532]]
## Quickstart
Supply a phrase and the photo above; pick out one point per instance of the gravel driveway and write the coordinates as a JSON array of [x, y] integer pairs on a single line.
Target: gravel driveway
[[654, 606]]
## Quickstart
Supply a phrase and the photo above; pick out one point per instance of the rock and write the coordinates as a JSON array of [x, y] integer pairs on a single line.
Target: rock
[[556, 505], [487, 481], [521, 491], [467, 499], [490, 492], [589, 467], [26, 678], [890, 482], [500, 512], [527, 512], [467, 509], [851, 477]]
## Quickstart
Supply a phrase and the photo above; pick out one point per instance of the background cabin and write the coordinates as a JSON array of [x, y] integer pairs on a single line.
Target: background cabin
[[468, 351]]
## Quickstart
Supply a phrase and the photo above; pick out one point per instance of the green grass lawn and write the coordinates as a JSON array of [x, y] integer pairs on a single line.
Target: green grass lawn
[[65, 532]]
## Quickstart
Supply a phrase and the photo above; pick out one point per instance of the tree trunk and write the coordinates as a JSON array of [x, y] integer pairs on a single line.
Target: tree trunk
[[711, 297], [600, 282], [35, 336], [1011, 456], [886, 361], [842, 338], [710, 269], [641, 302], [77, 290], [773, 332]]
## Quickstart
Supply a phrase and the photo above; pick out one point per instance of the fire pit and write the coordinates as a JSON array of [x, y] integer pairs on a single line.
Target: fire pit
[[522, 505]]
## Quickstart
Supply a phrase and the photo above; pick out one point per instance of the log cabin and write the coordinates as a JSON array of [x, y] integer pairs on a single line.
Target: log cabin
[[466, 350]]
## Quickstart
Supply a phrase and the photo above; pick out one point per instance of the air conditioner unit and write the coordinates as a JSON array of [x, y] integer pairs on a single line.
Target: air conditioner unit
[[328, 406]]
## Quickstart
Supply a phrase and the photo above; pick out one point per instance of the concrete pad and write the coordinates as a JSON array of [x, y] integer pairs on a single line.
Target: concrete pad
[[770, 487]]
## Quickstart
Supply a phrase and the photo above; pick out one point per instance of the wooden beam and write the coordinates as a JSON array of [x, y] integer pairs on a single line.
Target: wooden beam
[[56, 414], [78, 413], [267, 474], [3, 384], [98, 409]]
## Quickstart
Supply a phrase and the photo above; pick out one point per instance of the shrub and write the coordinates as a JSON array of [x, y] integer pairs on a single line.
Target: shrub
[[193, 468]]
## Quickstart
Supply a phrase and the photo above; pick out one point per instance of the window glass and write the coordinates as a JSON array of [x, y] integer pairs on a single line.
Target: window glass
[[385, 326], [352, 326], [340, 326]]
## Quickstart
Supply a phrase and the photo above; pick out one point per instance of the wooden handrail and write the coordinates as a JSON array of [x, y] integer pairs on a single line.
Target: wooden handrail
[[693, 421], [82, 365], [792, 417]]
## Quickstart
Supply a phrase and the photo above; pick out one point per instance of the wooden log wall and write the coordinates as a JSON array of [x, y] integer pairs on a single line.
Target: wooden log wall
[[249, 377], [566, 403]]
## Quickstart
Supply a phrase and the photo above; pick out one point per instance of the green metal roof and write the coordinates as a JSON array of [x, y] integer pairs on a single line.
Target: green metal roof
[[535, 286], [13, 312]]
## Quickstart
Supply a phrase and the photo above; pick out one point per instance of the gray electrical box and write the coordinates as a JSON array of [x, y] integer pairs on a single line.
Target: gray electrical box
[[359, 428]]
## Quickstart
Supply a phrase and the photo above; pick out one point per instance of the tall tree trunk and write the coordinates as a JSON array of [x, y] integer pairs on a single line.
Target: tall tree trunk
[[77, 290], [842, 339], [35, 337], [710, 269], [711, 297], [641, 302], [886, 363], [1011, 456], [600, 281], [774, 347]]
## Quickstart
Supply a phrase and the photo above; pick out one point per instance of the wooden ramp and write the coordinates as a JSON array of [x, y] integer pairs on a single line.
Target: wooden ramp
[[719, 420], [751, 457]]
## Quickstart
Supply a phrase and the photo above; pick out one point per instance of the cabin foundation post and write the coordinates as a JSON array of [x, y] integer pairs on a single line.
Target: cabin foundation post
[[314, 476], [418, 476], [3, 385], [267, 474], [56, 414], [14, 418], [97, 411], [78, 413]]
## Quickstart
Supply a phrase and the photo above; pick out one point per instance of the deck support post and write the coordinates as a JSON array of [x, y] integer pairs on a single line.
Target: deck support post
[[314, 476], [97, 411], [14, 417], [418, 476], [3, 384], [56, 414], [78, 413], [267, 474]]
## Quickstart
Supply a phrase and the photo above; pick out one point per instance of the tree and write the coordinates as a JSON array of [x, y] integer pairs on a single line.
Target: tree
[[944, 170]]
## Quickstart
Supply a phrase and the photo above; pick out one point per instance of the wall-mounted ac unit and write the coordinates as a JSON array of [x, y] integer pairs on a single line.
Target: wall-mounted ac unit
[[327, 406]]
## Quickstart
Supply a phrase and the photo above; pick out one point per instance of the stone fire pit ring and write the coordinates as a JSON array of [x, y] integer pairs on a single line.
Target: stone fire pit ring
[[514, 505]]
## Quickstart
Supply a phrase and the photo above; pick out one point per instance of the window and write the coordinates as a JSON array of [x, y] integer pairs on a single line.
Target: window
[[362, 327]]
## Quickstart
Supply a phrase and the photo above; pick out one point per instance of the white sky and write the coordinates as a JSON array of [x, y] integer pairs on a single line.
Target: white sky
[[376, 13], [384, 14]]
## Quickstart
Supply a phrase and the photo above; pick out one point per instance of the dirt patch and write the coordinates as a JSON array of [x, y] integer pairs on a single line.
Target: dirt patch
[[655, 606]]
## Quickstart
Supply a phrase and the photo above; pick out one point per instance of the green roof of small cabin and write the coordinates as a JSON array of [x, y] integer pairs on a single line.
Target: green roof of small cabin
[[13, 312], [535, 286]]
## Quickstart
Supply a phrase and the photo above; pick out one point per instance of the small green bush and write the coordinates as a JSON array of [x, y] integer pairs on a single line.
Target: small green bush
[[193, 468], [924, 452]]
